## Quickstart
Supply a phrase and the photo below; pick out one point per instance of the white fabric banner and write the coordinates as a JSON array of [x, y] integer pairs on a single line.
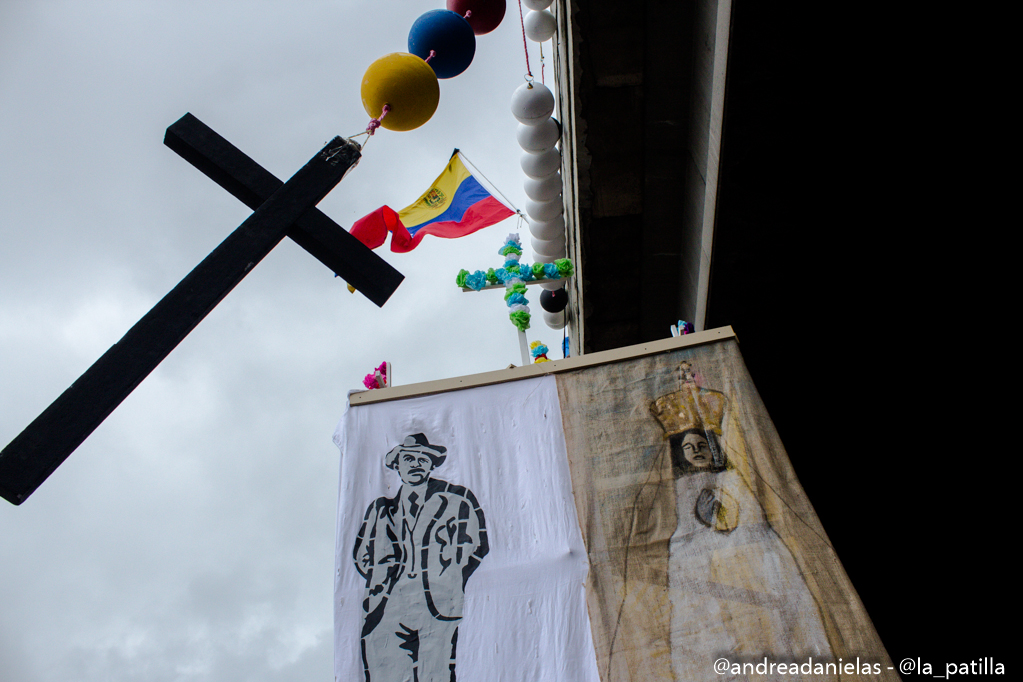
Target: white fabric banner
[[463, 493]]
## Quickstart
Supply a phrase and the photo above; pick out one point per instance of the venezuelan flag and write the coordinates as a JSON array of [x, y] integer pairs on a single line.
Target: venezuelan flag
[[455, 205]]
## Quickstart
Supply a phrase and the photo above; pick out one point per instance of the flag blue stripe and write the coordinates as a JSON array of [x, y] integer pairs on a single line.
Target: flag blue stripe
[[468, 193]]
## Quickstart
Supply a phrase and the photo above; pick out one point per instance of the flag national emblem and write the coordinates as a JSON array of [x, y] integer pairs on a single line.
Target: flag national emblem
[[434, 198], [456, 204]]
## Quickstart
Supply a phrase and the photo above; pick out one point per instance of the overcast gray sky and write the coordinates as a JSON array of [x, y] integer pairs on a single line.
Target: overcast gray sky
[[191, 536]]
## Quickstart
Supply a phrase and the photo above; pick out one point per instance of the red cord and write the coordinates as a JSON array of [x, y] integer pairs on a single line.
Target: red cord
[[525, 45]]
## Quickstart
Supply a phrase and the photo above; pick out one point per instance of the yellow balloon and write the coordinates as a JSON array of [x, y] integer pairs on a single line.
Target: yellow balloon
[[404, 82]]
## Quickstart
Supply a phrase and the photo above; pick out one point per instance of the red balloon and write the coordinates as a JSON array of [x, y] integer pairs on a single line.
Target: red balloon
[[486, 14]]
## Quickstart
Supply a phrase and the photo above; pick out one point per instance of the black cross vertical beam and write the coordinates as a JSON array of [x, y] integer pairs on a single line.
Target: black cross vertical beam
[[331, 244], [45, 443]]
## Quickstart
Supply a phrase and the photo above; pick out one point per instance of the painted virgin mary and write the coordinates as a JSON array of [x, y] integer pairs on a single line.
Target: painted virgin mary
[[733, 584]]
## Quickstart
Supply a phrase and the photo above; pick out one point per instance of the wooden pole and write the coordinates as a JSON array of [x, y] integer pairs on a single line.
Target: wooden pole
[[524, 348], [37, 452]]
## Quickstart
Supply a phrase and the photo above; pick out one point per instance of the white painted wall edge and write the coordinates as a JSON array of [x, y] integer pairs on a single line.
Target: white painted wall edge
[[717, 106]]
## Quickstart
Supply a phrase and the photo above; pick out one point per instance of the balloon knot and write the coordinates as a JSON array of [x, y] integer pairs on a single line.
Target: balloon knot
[[374, 123], [468, 13], [430, 56]]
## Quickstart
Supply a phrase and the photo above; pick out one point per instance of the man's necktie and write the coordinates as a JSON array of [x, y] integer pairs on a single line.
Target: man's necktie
[[413, 508]]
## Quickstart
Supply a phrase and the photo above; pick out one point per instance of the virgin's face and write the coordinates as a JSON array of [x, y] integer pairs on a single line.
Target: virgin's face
[[696, 450]]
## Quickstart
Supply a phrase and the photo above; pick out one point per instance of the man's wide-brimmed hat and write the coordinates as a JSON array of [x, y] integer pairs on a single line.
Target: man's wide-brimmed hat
[[417, 442]]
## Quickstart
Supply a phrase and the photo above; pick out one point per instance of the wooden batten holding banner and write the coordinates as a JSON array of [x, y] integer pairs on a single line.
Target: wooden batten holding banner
[[552, 367], [625, 515]]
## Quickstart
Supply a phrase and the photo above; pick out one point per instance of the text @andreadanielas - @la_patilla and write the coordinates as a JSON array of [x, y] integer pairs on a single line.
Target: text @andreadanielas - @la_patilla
[[857, 666]]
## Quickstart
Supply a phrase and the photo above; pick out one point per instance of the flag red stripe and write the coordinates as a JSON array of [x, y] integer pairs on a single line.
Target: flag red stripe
[[372, 229], [483, 213]]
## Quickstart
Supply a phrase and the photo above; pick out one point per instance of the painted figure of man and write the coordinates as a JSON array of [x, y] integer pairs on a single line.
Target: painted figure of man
[[416, 551]]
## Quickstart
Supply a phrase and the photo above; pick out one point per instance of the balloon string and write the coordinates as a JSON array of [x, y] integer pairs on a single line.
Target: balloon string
[[374, 123], [428, 58], [541, 64], [525, 45], [468, 13]]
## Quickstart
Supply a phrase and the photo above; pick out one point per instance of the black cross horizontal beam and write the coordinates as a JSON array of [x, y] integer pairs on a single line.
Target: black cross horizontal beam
[[330, 243], [45, 443]]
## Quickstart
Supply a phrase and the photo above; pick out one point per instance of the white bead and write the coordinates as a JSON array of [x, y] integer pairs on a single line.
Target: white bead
[[538, 5], [539, 166], [540, 258], [552, 249], [544, 189], [548, 230], [540, 26], [532, 103], [555, 320], [545, 210], [539, 138]]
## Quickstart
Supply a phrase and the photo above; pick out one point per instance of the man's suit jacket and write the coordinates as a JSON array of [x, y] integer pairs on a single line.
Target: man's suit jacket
[[447, 536]]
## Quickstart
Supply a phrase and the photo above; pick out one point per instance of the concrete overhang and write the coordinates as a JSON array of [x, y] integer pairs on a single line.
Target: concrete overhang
[[641, 93]]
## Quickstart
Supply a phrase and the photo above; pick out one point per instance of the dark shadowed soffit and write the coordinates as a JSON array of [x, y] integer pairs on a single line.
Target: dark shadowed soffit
[[641, 147]]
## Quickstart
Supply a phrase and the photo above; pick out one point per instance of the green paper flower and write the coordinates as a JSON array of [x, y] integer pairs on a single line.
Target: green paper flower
[[520, 318]]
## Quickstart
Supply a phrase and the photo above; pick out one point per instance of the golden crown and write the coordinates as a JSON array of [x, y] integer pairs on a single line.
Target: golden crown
[[691, 407]]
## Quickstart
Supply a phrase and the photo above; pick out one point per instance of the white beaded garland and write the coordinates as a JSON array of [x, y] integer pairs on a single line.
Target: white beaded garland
[[532, 105]]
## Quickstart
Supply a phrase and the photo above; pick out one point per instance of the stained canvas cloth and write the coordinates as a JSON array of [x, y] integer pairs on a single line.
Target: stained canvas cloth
[[692, 563], [523, 612]]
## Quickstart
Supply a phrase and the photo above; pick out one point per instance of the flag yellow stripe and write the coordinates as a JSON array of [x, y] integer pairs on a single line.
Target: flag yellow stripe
[[446, 184]]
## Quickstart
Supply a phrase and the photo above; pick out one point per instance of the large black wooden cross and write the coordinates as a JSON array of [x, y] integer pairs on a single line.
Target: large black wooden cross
[[280, 209]]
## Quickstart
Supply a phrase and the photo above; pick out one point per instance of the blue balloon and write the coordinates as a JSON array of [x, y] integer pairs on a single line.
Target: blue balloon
[[449, 36]]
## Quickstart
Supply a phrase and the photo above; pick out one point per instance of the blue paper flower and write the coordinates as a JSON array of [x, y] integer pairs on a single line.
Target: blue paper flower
[[517, 298], [476, 280], [551, 270]]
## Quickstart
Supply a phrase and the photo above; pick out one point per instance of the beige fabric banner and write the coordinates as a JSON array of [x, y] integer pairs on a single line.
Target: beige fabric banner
[[701, 542]]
